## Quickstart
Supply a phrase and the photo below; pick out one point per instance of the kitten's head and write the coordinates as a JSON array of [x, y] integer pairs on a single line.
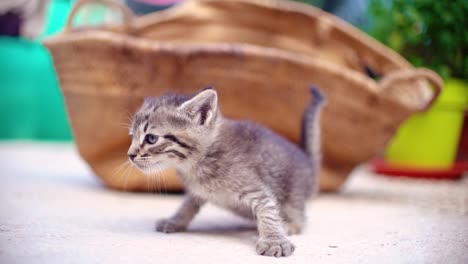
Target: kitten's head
[[172, 130]]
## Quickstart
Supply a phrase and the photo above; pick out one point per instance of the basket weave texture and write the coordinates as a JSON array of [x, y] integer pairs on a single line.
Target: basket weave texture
[[261, 55]]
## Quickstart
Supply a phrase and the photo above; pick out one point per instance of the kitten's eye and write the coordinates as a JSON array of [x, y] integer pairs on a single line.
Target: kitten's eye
[[151, 139]]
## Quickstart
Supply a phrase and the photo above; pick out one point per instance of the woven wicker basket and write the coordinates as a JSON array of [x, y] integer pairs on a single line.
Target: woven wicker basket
[[261, 56]]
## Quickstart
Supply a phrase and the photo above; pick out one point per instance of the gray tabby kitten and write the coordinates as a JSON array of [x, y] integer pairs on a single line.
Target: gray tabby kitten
[[238, 165]]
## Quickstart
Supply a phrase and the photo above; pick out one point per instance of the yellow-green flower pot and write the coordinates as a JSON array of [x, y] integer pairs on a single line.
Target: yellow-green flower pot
[[429, 140]]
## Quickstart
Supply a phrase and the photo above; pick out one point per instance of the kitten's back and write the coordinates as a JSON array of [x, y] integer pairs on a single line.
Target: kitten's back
[[279, 164]]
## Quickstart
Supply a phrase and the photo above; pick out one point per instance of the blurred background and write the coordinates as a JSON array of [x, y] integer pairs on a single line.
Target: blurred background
[[53, 207], [428, 33]]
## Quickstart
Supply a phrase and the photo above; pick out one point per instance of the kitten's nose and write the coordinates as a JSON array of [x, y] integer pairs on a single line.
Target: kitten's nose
[[131, 156]]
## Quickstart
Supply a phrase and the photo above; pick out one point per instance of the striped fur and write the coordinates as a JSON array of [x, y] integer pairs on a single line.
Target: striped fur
[[238, 165]]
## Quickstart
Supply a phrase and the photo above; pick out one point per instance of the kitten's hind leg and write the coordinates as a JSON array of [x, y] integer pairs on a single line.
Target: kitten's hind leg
[[184, 215]]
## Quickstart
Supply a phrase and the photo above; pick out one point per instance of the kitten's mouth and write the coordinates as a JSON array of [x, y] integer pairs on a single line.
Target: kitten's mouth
[[149, 168]]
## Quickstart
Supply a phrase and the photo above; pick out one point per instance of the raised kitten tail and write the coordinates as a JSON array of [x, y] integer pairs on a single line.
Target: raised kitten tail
[[310, 134]]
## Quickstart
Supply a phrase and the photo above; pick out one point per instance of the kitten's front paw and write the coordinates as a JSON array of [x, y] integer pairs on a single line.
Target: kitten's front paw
[[277, 247], [168, 226]]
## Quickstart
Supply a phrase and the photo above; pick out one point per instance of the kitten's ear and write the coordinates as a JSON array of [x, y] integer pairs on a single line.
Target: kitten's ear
[[202, 107]]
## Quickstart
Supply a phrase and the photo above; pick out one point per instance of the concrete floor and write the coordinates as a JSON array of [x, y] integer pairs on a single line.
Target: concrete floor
[[53, 210]]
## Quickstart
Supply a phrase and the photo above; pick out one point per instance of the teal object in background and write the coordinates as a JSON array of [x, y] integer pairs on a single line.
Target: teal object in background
[[31, 104]]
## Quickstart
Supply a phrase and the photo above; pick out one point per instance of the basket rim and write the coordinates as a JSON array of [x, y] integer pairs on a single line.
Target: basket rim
[[138, 24], [247, 50], [292, 7]]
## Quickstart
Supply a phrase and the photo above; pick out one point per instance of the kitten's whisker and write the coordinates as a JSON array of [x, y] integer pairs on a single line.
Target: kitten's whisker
[[158, 185], [125, 125], [119, 169], [148, 180], [129, 116], [122, 173], [128, 172], [162, 177], [158, 179], [154, 175], [155, 183], [151, 176], [152, 181]]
